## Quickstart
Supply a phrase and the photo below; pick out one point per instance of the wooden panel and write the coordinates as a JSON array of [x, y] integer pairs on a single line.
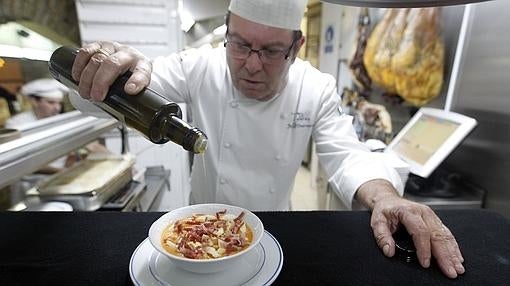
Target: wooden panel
[[313, 33], [4, 111], [11, 71], [11, 87]]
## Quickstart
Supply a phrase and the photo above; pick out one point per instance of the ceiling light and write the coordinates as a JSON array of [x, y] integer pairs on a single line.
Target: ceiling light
[[17, 41]]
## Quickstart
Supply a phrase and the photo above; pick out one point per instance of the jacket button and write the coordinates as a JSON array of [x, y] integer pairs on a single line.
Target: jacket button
[[223, 181], [234, 104], [227, 145]]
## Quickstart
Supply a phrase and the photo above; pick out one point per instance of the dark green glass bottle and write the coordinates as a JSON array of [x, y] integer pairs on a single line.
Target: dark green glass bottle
[[158, 118]]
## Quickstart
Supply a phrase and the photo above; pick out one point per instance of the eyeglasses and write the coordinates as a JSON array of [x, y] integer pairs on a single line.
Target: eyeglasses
[[242, 51]]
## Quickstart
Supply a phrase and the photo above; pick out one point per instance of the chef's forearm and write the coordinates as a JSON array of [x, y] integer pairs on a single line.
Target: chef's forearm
[[373, 191]]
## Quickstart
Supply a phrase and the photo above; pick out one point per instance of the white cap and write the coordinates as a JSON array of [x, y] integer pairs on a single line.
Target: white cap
[[45, 87], [285, 14]]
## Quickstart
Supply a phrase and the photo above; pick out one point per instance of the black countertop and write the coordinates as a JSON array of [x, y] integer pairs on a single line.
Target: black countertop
[[320, 248]]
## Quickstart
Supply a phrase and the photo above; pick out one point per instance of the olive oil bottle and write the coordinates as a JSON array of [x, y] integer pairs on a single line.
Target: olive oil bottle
[[158, 118]]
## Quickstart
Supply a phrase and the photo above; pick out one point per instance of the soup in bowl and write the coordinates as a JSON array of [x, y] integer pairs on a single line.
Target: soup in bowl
[[206, 238]]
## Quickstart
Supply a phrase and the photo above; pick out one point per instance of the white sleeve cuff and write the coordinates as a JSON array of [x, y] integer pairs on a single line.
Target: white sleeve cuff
[[346, 182]]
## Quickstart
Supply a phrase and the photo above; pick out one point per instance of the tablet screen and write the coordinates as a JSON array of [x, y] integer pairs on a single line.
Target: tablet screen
[[429, 137], [425, 137]]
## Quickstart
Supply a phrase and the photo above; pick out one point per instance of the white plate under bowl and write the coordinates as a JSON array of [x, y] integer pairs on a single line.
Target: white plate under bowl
[[260, 266]]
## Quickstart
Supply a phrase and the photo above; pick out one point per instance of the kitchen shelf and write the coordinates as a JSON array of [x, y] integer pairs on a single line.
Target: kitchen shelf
[[46, 140]]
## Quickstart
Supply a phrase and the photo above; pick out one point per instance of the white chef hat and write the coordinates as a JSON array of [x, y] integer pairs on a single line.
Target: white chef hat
[[44, 87], [286, 14]]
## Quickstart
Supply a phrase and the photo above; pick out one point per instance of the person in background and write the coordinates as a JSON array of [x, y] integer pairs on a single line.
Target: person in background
[[45, 96], [259, 106]]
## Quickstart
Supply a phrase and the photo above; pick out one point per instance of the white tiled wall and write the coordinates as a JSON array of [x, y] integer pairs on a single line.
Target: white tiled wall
[[151, 26]]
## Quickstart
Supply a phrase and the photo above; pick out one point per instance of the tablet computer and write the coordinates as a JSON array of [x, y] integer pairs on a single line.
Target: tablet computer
[[429, 137]]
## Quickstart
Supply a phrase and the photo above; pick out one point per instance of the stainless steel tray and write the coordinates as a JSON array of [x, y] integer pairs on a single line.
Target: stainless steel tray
[[88, 184]]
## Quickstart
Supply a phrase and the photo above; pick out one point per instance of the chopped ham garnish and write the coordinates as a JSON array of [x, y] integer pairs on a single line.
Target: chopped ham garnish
[[204, 236]]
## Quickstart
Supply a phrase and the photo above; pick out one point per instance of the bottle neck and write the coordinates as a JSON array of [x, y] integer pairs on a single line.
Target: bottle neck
[[179, 131]]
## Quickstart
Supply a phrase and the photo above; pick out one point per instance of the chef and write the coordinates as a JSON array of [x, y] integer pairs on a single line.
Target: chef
[[259, 105], [45, 96]]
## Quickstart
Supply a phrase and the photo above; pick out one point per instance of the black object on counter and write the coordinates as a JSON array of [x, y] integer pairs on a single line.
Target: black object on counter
[[158, 118], [404, 246]]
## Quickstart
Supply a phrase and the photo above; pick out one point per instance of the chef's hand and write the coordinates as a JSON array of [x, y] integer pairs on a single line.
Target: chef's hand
[[99, 64], [430, 236]]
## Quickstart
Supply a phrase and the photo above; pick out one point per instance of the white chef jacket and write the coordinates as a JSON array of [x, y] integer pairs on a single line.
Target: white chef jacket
[[20, 119], [255, 148]]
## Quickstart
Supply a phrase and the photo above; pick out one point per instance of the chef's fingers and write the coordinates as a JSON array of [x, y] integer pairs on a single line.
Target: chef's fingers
[[140, 78], [87, 63], [447, 253], [109, 70], [88, 73], [444, 246], [87, 52], [82, 59], [382, 233]]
